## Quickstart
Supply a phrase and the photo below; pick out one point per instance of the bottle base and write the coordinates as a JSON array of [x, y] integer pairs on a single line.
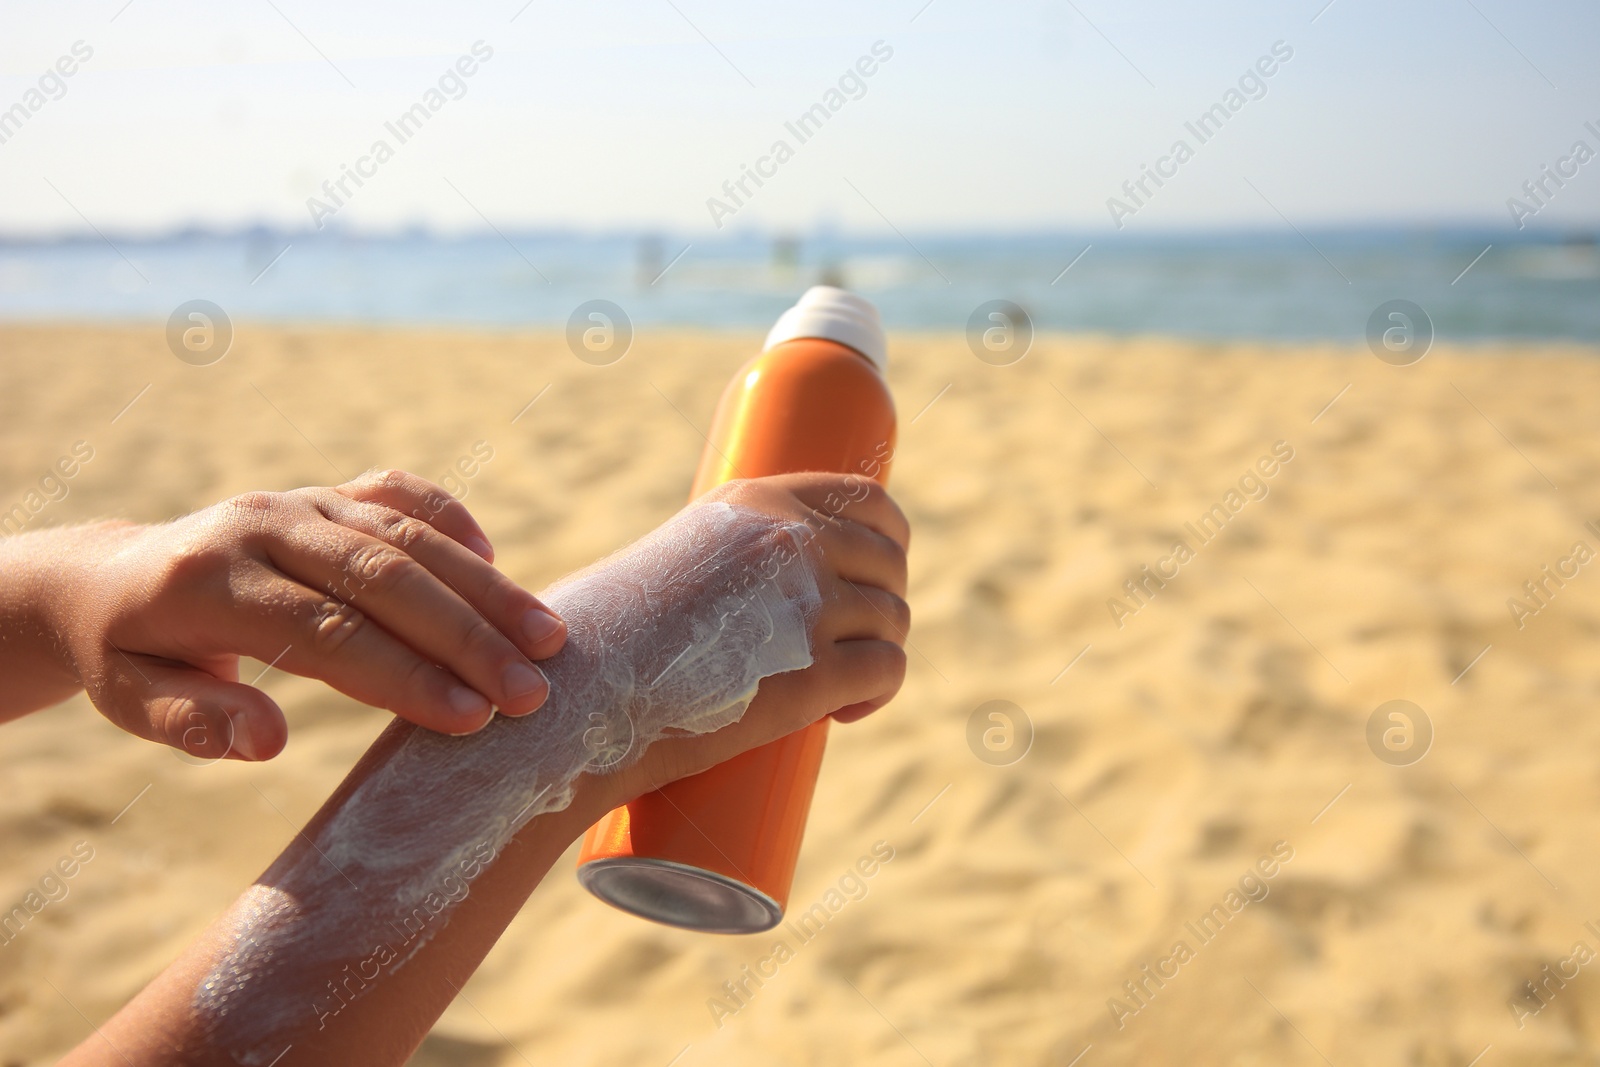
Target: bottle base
[[677, 894]]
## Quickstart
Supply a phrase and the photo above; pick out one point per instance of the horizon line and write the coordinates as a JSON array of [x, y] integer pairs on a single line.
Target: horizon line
[[1587, 231]]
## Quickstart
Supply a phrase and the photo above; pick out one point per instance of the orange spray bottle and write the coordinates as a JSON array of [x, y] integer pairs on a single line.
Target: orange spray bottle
[[716, 852]]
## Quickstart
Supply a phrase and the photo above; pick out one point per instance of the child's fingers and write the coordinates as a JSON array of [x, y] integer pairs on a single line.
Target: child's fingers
[[862, 555], [867, 613], [853, 497], [410, 602], [314, 635], [866, 671], [514, 611], [421, 499], [198, 713], [857, 712], [846, 675]]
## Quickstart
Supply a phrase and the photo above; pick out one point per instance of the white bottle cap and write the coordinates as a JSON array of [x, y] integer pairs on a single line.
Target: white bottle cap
[[834, 315]]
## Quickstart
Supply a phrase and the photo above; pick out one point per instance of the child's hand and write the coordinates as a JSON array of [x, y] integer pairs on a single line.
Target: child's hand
[[857, 643], [381, 587]]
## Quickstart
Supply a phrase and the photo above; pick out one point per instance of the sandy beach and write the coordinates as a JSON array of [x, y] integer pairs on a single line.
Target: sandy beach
[[1210, 729]]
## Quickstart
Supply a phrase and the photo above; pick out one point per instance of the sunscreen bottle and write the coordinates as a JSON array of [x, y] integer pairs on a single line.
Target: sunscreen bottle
[[716, 852]]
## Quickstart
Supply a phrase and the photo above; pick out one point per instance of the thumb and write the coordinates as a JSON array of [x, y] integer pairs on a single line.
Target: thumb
[[202, 716]]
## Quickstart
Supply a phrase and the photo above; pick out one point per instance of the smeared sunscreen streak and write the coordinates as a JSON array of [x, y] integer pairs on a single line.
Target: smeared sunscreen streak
[[671, 635]]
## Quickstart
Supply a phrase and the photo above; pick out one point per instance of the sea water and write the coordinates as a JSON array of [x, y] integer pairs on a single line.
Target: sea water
[[1314, 285]]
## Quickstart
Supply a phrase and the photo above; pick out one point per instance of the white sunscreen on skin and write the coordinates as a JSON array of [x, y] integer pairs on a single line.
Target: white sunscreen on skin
[[670, 635]]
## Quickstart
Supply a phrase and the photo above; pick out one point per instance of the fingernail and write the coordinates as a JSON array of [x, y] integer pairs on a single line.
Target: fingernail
[[539, 625], [466, 702], [521, 679], [480, 546], [243, 744]]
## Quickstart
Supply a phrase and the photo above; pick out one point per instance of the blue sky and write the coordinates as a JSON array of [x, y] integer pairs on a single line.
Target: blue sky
[[986, 117]]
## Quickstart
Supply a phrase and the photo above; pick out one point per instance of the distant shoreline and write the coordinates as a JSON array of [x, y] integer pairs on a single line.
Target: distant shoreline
[[1474, 284]]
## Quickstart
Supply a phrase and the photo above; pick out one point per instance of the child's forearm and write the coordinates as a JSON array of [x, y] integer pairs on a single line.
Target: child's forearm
[[353, 1011], [354, 941]]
